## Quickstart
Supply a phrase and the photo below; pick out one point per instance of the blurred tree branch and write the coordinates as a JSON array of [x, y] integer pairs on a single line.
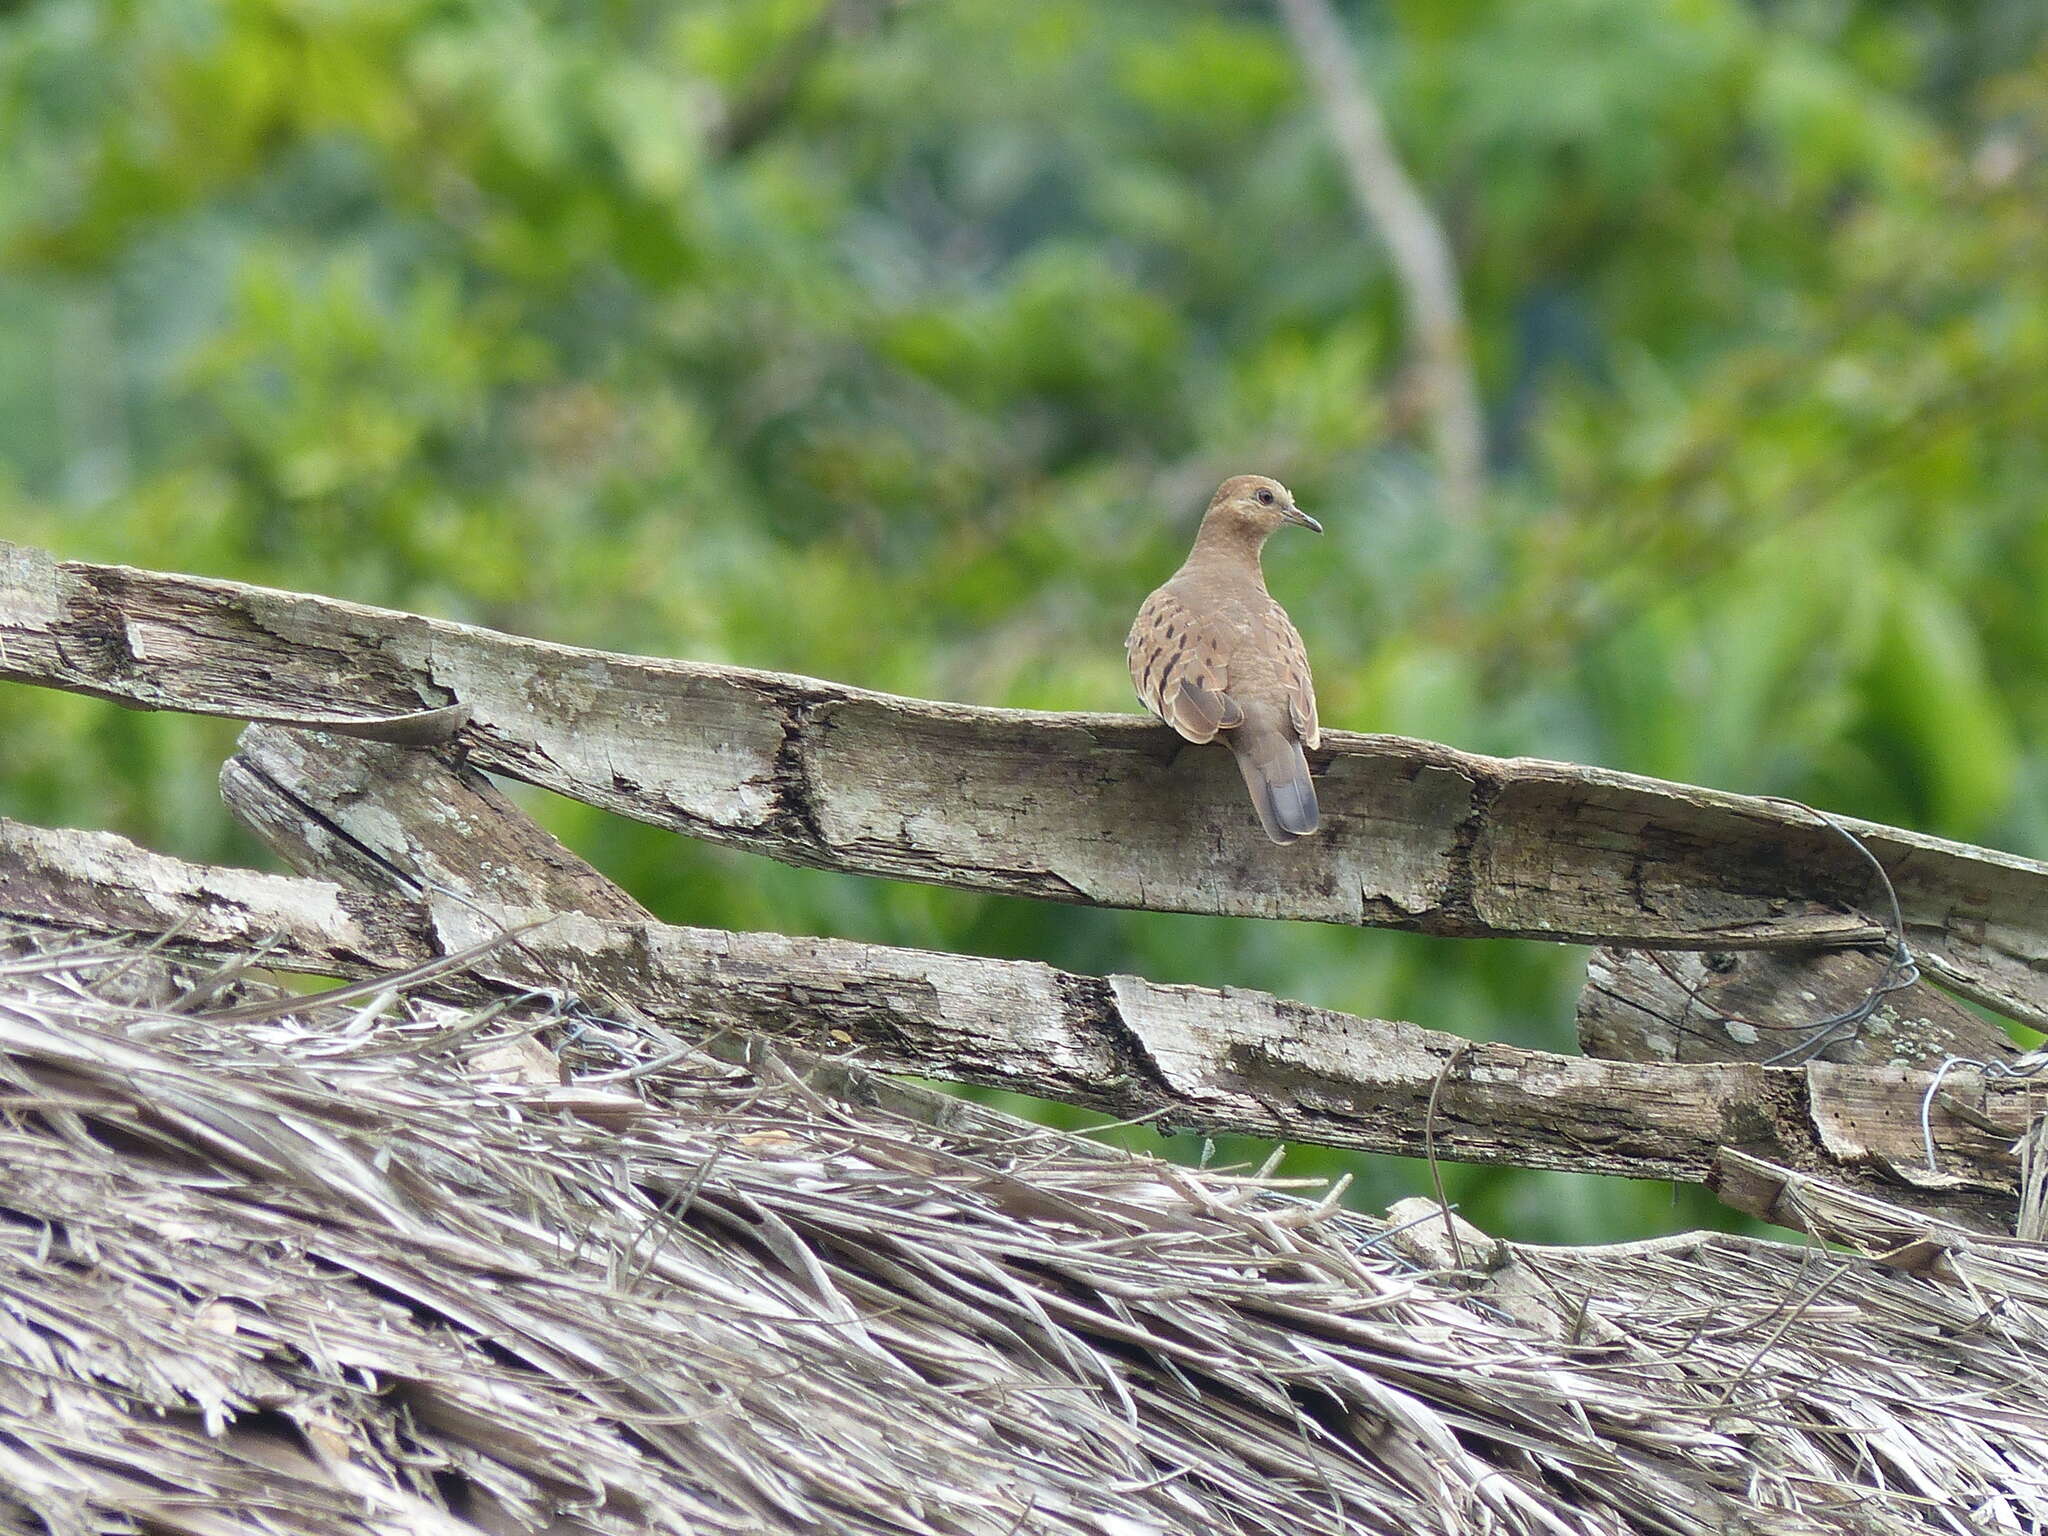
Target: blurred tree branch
[[758, 113], [1421, 254]]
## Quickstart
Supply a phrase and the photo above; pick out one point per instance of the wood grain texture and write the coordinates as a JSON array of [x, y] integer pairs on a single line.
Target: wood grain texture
[[1105, 809], [382, 818], [1199, 1059]]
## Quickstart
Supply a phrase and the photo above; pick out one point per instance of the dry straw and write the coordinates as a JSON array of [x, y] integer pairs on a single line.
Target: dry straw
[[401, 1265]]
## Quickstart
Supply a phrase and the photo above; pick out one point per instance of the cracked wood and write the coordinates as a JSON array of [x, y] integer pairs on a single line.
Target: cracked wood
[[1228, 1061], [1105, 809]]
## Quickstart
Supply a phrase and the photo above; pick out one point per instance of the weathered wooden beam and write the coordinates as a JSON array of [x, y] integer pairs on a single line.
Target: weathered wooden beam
[[389, 819], [1760, 1005], [1106, 809], [1229, 1061], [424, 824], [421, 825]]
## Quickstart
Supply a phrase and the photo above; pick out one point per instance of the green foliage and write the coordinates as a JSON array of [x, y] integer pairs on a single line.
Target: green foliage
[[900, 344]]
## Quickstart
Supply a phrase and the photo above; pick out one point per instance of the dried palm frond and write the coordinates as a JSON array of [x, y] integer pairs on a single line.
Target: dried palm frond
[[391, 1264]]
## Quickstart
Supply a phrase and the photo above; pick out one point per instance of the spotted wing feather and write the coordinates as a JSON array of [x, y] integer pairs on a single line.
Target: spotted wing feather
[[1181, 669]]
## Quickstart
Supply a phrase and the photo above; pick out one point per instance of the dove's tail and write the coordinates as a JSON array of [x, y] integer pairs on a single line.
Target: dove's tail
[[1276, 772]]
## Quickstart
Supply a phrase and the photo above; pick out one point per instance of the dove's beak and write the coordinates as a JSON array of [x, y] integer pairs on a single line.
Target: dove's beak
[[1296, 515]]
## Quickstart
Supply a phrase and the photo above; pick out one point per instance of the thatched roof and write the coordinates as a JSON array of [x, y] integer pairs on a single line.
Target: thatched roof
[[375, 1265]]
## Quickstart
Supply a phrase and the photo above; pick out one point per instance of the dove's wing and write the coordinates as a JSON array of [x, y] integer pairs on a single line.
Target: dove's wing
[[1301, 686], [1181, 668]]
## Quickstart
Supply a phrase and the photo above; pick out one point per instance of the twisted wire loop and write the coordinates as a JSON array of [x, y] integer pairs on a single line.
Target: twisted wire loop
[[1901, 969]]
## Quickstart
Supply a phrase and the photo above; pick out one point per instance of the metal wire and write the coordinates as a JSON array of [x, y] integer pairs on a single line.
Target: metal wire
[[2029, 1065], [1901, 969]]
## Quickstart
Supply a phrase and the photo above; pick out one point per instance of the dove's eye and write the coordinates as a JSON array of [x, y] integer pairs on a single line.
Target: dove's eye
[[1265, 498]]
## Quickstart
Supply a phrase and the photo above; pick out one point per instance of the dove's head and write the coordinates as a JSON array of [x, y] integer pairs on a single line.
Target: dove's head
[[1253, 506]]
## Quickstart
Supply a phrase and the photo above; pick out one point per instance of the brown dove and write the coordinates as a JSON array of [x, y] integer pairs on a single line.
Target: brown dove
[[1211, 652]]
